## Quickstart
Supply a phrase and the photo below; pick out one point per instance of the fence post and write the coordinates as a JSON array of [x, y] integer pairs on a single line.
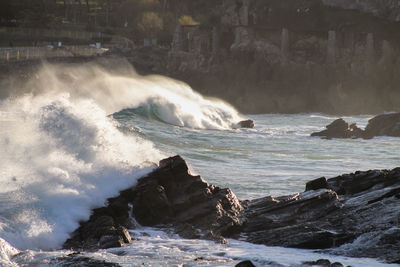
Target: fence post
[[18, 55], [8, 56], [27, 53]]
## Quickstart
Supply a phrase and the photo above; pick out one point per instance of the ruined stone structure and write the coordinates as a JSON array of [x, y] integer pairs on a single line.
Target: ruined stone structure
[[289, 68], [337, 46]]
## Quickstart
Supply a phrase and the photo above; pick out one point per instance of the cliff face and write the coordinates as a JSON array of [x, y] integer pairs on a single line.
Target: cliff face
[[388, 9], [291, 56]]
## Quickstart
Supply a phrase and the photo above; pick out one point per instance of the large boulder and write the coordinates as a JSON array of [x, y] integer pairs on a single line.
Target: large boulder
[[337, 129], [246, 124], [169, 195], [381, 125], [384, 125]]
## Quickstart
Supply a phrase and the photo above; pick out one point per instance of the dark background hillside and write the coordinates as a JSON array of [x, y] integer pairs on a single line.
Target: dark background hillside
[[260, 55]]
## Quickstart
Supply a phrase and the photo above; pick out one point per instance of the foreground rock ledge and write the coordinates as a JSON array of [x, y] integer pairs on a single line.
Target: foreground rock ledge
[[359, 212], [381, 125]]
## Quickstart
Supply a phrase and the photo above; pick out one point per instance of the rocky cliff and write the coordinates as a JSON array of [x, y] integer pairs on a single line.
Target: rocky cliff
[[292, 56]]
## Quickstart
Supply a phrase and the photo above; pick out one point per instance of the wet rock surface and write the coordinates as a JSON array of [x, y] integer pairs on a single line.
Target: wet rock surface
[[77, 260], [246, 124], [169, 195], [381, 125], [353, 214]]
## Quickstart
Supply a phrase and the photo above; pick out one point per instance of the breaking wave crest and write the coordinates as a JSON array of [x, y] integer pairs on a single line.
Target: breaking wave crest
[[171, 101]]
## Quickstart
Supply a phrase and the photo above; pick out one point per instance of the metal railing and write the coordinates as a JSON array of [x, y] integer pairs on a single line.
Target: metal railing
[[54, 33], [28, 53]]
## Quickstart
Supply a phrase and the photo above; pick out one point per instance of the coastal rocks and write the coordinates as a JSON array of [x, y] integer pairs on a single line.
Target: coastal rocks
[[246, 124], [246, 263], [322, 263], [353, 214], [195, 209], [101, 231], [288, 221], [169, 195], [77, 260], [385, 124], [381, 125]]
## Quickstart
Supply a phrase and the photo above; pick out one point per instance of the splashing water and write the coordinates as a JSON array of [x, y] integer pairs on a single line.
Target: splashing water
[[61, 155], [170, 101], [60, 158]]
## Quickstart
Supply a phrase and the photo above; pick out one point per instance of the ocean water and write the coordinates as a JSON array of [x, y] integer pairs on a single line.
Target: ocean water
[[84, 134]]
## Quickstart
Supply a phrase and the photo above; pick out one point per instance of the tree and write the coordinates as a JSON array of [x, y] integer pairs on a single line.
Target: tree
[[150, 23]]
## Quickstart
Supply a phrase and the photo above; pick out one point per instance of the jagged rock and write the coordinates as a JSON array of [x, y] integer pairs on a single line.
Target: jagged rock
[[245, 264], [317, 184], [337, 129], [246, 124], [168, 195], [385, 124], [77, 260], [358, 212], [381, 125], [288, 221], [171, 195], [322, 263]]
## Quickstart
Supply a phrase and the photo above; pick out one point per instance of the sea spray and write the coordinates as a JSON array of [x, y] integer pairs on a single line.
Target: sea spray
[[62, 154], [169, 100], [60, 159]]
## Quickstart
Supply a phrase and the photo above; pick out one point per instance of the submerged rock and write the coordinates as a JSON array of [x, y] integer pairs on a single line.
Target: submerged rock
[[246, 124], [381, 125], [353, 214], [78, 260], [246, 263], [322, 263]]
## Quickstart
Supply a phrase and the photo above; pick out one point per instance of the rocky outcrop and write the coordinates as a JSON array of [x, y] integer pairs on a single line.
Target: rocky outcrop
[[353, 214], [381, 125], [170, 195], [77, 260], [246, 124]]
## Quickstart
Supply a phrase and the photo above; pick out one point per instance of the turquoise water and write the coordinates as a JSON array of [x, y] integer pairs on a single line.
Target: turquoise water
[[277, 157]]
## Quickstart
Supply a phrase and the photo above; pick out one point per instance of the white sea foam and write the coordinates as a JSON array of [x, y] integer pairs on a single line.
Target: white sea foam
[[61, 155], [171, 101], [6, 253], [59, 159]]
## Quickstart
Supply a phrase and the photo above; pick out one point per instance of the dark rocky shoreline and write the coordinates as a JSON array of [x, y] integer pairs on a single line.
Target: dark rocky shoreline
[[359, 210], [381, 125]]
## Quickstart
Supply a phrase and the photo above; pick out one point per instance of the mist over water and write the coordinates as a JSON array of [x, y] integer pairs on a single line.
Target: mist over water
[[62, 154], [169, 100], [60, 158]]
